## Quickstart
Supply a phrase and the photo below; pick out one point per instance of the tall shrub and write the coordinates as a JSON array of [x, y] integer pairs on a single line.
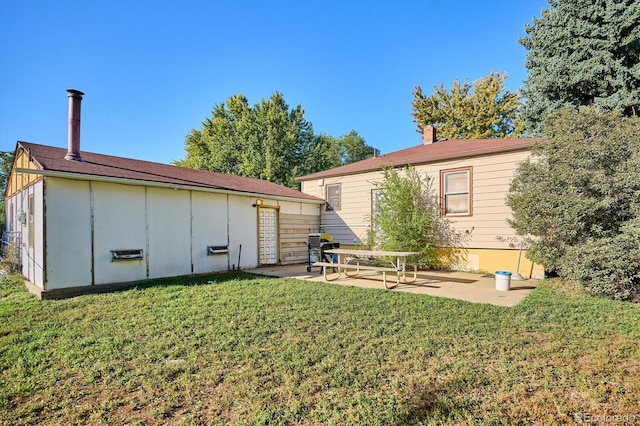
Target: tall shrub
[[407, 218], [608, 267], [578, 199]]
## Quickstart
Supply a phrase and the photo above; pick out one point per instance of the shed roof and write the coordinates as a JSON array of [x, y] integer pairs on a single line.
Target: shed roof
[[429, 153], [52, 159]]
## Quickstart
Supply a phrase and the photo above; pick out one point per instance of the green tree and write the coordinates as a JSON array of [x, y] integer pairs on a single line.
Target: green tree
[[327, 151], [578, 200], [219, 144], [321, 154], [582, 53], [352, 148], [482, 110], [6, 158], [407, 218], [265, 141]]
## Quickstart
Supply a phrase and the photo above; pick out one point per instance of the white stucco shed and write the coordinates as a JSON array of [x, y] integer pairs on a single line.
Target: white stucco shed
[[102, 221]]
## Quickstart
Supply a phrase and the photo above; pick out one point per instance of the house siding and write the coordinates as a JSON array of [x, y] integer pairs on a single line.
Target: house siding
[[29, 253], [351, 223], [68, 240], [169, 232], [75, 215], [243, 232], [297, 221], [487, 226], [77, 224], [18, 181], [119, 224], [491, 176], [209, 215]]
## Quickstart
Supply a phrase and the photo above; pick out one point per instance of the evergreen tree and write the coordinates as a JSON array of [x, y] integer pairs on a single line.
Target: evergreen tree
[[582, 53]]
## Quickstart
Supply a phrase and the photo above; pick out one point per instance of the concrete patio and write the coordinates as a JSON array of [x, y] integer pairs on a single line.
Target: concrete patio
[[475, 288]]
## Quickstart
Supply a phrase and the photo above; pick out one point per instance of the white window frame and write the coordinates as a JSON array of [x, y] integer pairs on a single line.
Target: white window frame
[[444, 193]]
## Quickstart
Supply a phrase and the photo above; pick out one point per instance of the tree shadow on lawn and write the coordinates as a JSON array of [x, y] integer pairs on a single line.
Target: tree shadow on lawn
[[426, 403]]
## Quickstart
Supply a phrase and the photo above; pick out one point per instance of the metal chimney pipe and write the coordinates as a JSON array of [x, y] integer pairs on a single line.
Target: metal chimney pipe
[[73, 143]]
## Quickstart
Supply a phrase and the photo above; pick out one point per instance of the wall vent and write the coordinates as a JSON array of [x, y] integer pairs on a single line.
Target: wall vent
[[211, 250], [118, 255]]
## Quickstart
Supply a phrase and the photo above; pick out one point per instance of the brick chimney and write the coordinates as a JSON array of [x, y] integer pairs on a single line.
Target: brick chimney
[[429, 135], [73, 141]]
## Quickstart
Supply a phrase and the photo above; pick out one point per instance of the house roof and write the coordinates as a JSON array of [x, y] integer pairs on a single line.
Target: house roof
[[430, 153], [52, 159]]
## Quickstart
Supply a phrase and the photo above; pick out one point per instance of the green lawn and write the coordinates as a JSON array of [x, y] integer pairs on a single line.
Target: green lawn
[[252, 350]]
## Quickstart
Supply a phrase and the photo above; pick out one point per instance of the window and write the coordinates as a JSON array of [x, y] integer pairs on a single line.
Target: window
[[375, 200], [455, 190], [31, 229], [333, 196]]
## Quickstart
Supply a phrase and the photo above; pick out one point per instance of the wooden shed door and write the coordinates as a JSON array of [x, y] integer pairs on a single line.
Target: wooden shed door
[[268, 236]]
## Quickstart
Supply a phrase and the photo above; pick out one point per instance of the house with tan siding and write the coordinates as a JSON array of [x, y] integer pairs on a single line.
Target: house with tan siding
[[79, 221], [470, 177]]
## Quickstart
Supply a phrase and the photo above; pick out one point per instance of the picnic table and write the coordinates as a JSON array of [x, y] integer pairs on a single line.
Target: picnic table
[[351, 262]]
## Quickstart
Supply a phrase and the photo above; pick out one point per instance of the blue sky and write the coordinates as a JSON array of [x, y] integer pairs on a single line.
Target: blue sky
[[153, 70]]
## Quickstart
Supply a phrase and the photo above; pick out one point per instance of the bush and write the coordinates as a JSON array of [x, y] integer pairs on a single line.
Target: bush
[[577, 201], [407, 218], [607, 267], [8, 259]]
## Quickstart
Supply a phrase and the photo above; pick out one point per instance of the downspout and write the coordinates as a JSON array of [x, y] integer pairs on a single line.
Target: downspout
[[44, 234], [191, 230], [146, 226], [228, 238], [93, 233]]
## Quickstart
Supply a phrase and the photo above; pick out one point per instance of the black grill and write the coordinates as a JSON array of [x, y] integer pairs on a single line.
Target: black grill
[[317, 244]]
